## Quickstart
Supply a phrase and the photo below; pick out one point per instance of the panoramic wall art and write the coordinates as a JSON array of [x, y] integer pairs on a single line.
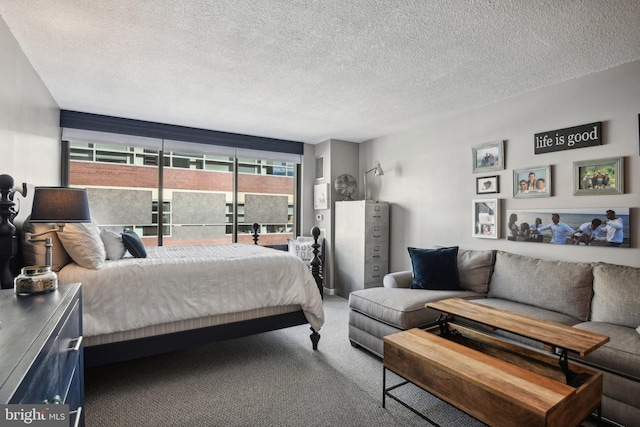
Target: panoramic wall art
[[607, 226]]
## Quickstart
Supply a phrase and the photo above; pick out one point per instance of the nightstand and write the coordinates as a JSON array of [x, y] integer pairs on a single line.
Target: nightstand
[[42, 356]]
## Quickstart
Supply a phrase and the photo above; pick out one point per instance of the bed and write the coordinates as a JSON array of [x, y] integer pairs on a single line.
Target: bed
[[180, 296]]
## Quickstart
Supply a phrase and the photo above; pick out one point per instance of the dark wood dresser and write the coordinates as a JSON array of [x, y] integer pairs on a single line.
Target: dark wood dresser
[[41, 356]]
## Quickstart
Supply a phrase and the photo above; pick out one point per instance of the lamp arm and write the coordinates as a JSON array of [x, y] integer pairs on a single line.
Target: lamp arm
[[29, 236], [364, 178], [48, 243], [371, 170]]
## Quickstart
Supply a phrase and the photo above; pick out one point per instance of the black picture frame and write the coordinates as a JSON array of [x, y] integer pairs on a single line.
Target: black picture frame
[[488, 184]]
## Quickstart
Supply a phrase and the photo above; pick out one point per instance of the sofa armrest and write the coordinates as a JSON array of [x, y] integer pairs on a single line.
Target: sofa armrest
[[400, 279]]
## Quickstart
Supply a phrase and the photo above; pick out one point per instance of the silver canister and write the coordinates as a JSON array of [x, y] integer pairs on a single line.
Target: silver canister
[[36, 279]]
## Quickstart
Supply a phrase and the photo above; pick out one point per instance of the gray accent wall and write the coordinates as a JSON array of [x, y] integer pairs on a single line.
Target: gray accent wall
[[428, 175]]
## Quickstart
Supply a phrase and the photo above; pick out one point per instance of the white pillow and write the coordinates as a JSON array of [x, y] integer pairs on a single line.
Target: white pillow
[[34, 253], [83, 243], [113, 244]]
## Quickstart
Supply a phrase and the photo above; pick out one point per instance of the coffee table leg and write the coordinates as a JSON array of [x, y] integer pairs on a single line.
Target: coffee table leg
[[384, 385]]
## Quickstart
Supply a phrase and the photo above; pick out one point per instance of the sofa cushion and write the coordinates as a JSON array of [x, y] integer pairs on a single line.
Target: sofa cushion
[[435, 269], [401, 307], [616, 296], [475, 269], [560, 286], [621, 353]]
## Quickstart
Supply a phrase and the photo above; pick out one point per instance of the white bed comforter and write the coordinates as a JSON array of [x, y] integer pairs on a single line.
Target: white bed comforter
[[185, 282]]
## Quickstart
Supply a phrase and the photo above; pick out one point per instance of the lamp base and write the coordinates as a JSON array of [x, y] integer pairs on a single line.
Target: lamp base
[[36, 279]]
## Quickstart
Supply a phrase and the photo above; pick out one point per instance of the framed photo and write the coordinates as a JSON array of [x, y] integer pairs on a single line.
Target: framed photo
[[605, 226], [532, 182], [598, 177], [321, 196], [487, 184], [320, 167], [488, 157], [486, 218]]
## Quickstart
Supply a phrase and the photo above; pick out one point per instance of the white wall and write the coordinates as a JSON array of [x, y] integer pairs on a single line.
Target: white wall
[[428, 175], [29, 121]]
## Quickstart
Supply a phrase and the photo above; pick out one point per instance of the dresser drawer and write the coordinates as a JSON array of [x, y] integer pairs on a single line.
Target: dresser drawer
[[40, 385], [69, 346]]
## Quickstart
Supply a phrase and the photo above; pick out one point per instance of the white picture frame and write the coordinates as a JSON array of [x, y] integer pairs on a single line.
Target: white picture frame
[[321, 196], [486, 218]]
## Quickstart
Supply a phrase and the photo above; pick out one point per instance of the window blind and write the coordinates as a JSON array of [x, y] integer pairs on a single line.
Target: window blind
[[151, 132]]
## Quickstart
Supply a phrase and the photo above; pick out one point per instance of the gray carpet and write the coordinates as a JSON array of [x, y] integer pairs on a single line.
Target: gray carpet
[[271, 379]]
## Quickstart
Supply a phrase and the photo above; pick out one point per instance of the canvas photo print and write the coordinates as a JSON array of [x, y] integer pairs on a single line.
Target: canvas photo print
[[578, 227]]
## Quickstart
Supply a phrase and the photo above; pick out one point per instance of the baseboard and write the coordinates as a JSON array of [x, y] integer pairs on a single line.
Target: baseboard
[[329, 291]]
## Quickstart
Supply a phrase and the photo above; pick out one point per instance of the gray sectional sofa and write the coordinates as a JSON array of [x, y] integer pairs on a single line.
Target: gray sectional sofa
[[598, 297]]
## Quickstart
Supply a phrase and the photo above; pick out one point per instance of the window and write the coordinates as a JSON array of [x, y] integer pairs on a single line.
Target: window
[[199, 205]]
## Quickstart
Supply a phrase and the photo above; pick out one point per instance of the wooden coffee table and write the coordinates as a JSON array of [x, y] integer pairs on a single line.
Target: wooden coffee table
[[496, 381]]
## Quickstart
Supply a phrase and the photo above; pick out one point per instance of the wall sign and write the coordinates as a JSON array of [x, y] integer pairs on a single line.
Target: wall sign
[[569, 138]]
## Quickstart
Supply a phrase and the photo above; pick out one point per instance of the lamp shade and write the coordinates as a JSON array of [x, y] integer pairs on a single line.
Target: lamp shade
[[60, 204], [378, 170]]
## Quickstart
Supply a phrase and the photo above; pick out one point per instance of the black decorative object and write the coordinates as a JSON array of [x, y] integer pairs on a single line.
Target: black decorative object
[[8, 240], [316, 262], [581, 136], [256, 226]]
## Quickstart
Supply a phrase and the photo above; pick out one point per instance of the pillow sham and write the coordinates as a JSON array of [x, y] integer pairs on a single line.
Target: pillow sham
[[435, 269], [133, 244], [83, 243], [302, 247], [34, 253], [113, 244]]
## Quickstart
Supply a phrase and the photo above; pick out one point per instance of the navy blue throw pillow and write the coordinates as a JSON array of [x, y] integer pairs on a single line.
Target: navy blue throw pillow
[[435, 269], [133, 244]]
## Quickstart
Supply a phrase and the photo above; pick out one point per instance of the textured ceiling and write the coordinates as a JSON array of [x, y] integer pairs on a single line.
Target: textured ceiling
[[312, 70]]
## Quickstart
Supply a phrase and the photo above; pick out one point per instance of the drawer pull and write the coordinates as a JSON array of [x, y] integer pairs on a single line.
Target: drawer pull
[[78, 412], [377, 275], [376, 256], [77, 346]]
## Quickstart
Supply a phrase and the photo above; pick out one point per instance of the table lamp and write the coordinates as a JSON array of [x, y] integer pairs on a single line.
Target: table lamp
[[377, 171], [58, 205]]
